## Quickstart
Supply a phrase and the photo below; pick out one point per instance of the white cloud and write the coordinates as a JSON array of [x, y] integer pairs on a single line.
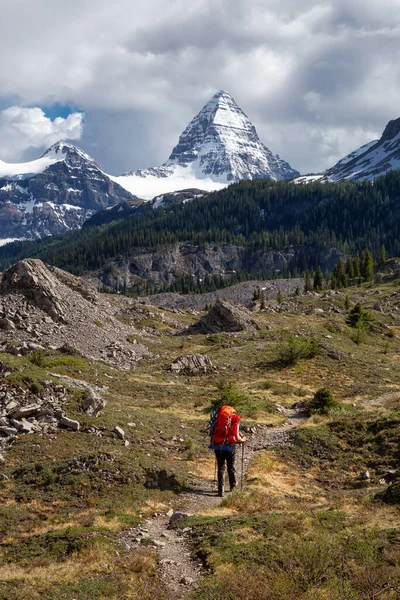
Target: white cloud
[[25, 128], [315, 77]]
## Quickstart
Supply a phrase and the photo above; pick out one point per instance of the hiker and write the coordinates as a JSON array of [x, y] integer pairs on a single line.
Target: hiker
[[224, 431]]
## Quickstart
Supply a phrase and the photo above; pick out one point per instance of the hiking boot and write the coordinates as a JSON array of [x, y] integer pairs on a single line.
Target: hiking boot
[[221, 494], [233, 486]]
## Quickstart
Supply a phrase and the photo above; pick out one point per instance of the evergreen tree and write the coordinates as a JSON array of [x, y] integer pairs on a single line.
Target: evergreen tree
[[280, 297], [367, 266], [357, 266], [382, 256], [318, 279], [307, 282], [297, 291], [347, 302], [262, 303], [350, 268]]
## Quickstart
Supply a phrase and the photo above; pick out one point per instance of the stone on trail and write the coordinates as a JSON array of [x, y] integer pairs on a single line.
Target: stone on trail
[[176, 516]]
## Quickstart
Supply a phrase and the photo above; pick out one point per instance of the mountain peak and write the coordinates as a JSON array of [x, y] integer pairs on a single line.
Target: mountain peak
[[219, 146], [221, 142], [69, 150], [391, 130]]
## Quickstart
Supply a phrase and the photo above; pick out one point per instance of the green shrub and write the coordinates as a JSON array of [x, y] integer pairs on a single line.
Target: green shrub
[[228, 396], [322, 402], [360, 318], [295, 348], [37, 358], [190, 449]]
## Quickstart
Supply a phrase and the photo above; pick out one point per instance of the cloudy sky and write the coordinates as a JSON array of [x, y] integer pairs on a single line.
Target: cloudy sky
[[123, 78]]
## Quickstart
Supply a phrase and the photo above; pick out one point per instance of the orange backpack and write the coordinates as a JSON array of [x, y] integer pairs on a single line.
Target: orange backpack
[[222, 432]]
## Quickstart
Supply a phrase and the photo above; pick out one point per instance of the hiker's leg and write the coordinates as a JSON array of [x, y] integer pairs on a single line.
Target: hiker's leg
[[230, 460], [220, 454]]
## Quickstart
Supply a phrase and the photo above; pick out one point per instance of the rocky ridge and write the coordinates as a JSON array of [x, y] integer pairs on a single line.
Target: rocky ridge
[[171, 262]]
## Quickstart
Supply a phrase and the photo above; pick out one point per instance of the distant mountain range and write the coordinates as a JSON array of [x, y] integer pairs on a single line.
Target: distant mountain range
[[53, 194], [65, 187]]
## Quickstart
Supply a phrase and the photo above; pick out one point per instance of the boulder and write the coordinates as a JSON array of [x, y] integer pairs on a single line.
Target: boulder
[[69, 423], [92, 404], [31, 278], [11, 431], [192, 364], [176, 516], [224, 317], [24, 412]]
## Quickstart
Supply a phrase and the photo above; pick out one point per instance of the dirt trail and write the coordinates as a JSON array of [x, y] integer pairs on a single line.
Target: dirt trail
[[180, 572]]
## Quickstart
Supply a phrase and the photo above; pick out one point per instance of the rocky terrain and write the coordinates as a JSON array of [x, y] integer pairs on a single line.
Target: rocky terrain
[[56, 309], [106, 482], [53, 194], [240, 293], [171, 262]]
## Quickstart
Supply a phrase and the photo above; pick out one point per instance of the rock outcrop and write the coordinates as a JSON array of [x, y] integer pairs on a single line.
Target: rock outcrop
[[225, 317], [192, 364], [47, 305]]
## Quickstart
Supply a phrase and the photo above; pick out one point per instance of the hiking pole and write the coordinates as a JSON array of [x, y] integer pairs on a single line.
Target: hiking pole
[[241, 480], [215, 470]]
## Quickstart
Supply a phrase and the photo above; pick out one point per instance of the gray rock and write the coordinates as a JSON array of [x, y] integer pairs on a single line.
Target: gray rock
[[69, 423], [7, 324], [24, 412], [2, 459], [365, 475], [192, 364], [92, 404], [186, 580], [12, 431], [176, 516], [225, 317], [119, 432]]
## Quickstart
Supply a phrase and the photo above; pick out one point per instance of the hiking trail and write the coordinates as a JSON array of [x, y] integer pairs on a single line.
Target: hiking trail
[[180, 572]]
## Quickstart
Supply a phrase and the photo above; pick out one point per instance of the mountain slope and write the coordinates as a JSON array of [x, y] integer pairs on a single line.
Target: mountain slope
[[371, 160], [54, 193], [368, 162], [219, 146], [258, 228]]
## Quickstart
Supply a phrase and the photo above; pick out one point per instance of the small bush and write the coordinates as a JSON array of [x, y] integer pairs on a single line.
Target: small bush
[[296, 348], [228, 396], [190, 449], [322, 402], [360, 318], [37, 358]]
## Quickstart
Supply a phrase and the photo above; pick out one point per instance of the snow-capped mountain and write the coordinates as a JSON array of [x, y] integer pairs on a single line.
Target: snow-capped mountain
[[367, 162], [219, 146], [54, 193], [371, 160]]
